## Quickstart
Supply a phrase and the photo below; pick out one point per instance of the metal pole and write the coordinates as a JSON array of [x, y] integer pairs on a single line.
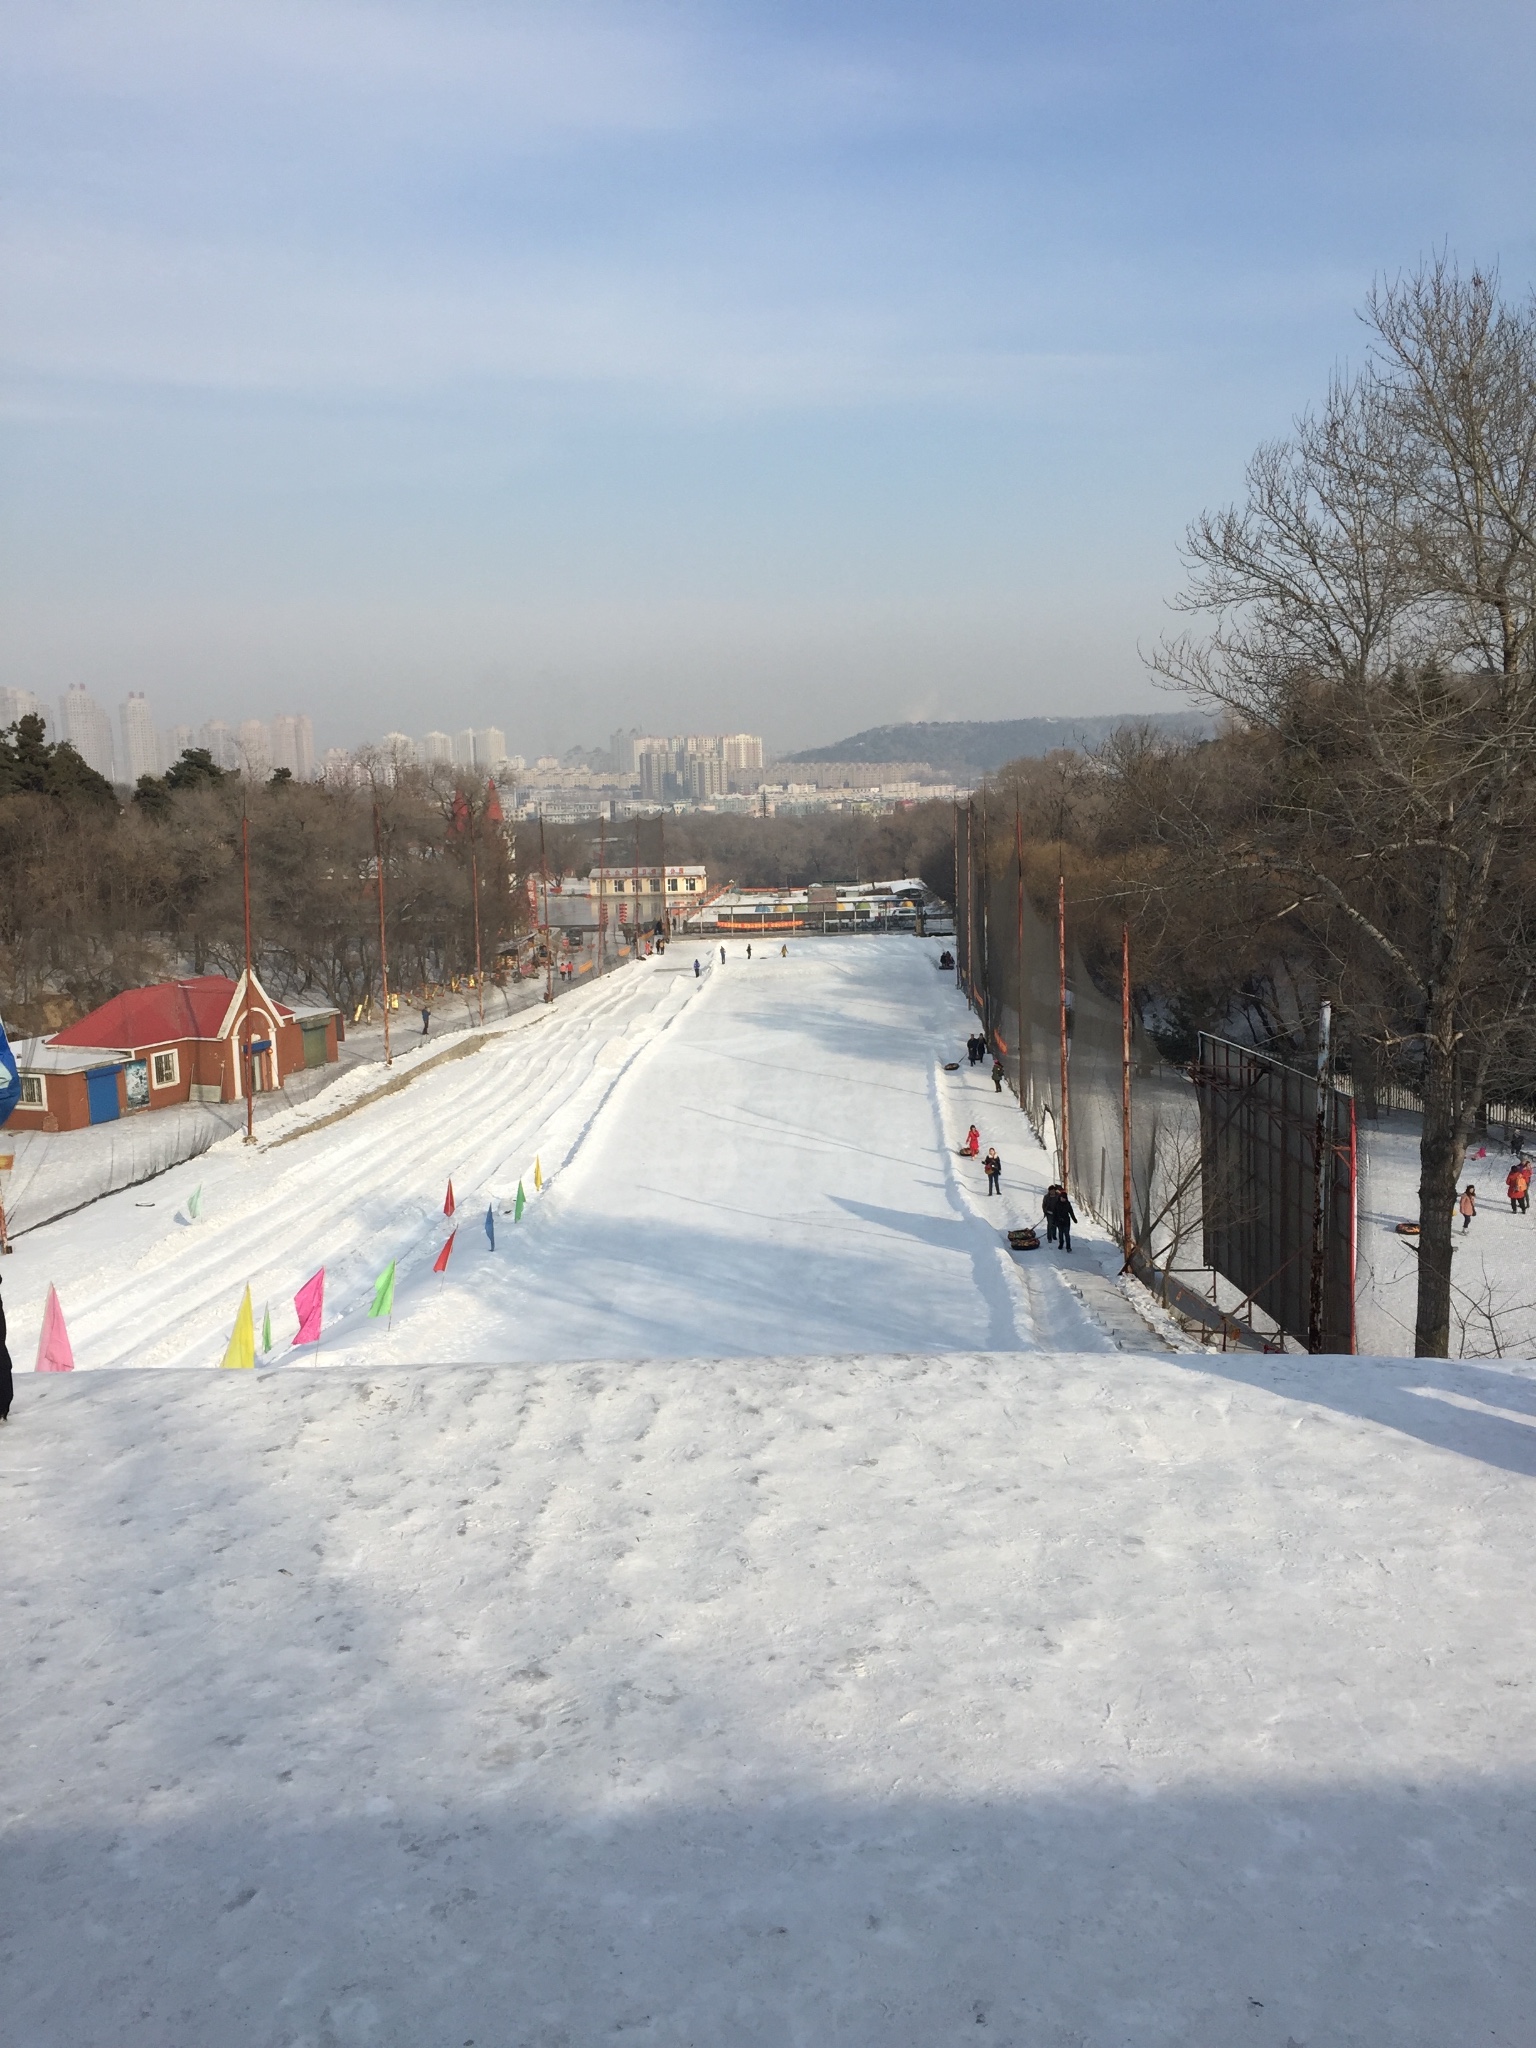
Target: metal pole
[[1125, 1089], [378, 868], [1064, 1136], [955, 920], [474, 873], [250, 1057], [602, 893], [1320, 1181]]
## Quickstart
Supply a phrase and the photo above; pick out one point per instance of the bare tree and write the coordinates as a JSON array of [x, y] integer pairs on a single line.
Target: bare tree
[[1374, 606]]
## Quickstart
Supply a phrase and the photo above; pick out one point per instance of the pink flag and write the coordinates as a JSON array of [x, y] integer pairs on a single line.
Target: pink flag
[[310, 1303], [53, 1350]]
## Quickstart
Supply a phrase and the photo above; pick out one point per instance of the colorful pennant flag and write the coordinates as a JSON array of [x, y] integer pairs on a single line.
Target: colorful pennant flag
[[519, 1205], [241, 1353], [309, 1304], [384, 1292], [538, 1174], [440, 1263], [448, 1201], [195, 1202], [266, 1328], [53, 1348], [490, 1225]]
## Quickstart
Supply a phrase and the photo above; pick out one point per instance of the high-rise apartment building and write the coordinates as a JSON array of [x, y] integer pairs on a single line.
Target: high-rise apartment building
[[304, 747], [174, 742], [399, 751], [490, 748], [15, 704], [219, 742], [141, 743], [436, 749], [282, 744], [742, 752], [253, 750], [464, 748], [88, 730]]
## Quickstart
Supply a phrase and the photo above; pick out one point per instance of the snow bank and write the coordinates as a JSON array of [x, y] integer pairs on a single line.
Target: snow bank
[[1100, 1700]]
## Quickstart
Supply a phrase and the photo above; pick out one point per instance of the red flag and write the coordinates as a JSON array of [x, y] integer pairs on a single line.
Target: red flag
[[448, 1204], [310, 1305], [440, 1263], [461, 813], [492, 811]]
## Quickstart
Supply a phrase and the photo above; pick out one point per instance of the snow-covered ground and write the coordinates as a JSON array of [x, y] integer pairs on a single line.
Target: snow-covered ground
[[761, 1160], [749, 1605], [1493, 1271], [1100, 1700]]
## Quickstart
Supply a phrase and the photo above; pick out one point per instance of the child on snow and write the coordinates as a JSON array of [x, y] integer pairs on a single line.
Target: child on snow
[[1468, 1206]]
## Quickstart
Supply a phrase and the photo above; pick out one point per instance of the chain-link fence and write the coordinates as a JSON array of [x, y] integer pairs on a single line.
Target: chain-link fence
[[1208, 1209]]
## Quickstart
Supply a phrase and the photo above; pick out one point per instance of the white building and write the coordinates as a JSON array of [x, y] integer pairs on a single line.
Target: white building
[[282, 744], [399, 750], [141, 743], [253, 749], [88, 730], [16, 704], [742, 752], [436, 749], [464, 748], [174, 743], [219, 742], [490, 748]]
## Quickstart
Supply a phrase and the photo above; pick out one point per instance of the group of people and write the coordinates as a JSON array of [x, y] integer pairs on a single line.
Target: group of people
[[1059, 1212], [1517, 1185], [976, 1048]]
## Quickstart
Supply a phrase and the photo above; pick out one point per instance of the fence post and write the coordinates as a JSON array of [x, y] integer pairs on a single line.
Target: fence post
[[1065, 1133], [1320, 1182], [1125, 1089]]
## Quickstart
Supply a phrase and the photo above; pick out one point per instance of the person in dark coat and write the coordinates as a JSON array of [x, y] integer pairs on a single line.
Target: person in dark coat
[[994, 1171], [997, 1076], [7, 1389], [697, 970], [1060, 1216]]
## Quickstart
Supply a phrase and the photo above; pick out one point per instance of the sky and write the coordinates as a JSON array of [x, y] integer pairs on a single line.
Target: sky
[[781, 367]]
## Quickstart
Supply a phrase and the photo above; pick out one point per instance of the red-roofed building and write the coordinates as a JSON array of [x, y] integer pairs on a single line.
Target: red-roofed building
[[177, 1041]]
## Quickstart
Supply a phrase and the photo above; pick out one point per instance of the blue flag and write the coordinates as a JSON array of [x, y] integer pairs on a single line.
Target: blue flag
[[10, 1079], [490, 1225]]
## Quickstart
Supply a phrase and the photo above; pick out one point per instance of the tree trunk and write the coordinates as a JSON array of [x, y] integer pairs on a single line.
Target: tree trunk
[[1441, 1145]]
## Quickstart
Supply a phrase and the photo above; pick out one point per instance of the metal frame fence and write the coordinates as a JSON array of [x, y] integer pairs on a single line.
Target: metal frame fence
[[1182, 1191]]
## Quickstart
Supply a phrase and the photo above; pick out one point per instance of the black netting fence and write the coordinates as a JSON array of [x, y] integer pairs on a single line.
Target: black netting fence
[[1213, 1215]]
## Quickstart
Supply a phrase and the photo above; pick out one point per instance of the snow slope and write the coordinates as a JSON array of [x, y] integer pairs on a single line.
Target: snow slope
[[762, 1160], [882, 1703]]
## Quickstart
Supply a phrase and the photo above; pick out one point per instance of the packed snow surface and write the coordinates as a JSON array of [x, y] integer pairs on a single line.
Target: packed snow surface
[[763, 1158], [1109, 1701], [569, 1663]]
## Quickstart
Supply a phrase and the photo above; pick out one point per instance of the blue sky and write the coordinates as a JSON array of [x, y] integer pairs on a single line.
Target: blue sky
[[787, 367]]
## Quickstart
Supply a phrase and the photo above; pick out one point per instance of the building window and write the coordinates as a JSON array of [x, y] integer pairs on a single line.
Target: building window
[[692, 883], [618, 888], [167, 1069], [34, 1092]]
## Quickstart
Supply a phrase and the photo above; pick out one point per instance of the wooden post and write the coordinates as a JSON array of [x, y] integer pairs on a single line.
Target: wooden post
[[1018, 849], [549, 958], [1125, 1090], [378, 870], [250, 1057], [474, 882], [1064, 1135]]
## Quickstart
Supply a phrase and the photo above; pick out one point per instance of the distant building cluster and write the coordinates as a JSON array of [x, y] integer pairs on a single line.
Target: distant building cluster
[[136, 746]]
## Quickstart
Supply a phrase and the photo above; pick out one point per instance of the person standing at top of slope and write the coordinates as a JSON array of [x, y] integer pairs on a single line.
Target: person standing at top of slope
[[994, 1171], [722, 956], [697, 970], [783, 952], [749, 949], [6, 1386], [426, 1019]]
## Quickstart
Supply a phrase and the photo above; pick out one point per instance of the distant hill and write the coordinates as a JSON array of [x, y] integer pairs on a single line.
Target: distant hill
[[960, 747]]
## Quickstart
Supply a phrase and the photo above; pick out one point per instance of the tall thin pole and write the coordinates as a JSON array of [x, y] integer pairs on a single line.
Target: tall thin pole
[[1066, 1098], [474, 874], [1320, 1181], [1018, 849], [1125, 1090], [378, 870], [602, 893], [549, 958], [250, 1057], [956, 918], [666, 908], [970, 893]]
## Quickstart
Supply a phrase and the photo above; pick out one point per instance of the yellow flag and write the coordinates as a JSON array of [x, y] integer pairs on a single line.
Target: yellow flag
[[538, 1174], [242, 1345]]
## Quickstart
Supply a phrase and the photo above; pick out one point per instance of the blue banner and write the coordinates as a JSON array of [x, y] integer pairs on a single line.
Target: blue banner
[[10, 1079]]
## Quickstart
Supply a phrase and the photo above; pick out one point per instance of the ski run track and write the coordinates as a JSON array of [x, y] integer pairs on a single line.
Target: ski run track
[[748, 1605]]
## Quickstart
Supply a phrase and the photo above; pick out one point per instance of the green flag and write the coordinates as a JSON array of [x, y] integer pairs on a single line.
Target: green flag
[[519, 1205], [384, 1292], [266, 1329], [195, 1202]]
